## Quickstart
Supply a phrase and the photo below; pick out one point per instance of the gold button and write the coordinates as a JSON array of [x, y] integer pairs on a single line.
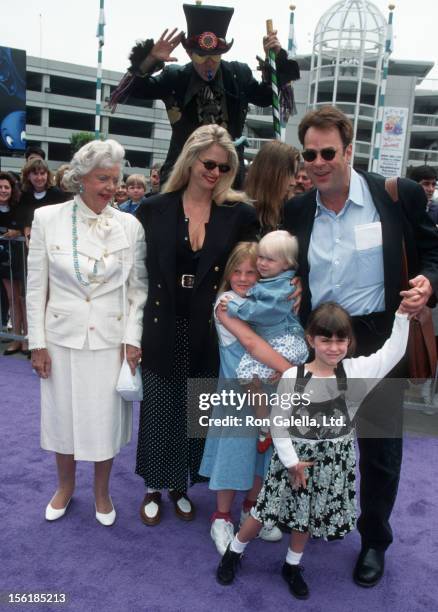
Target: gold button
[[157, 303], [119, 318], [155, 320], [216, 268], [87, 299]]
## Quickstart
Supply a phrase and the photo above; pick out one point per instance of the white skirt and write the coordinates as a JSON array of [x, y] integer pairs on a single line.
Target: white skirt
[[81, 412]]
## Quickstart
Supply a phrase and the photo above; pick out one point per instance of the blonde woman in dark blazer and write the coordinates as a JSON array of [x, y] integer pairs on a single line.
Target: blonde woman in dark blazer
[[191, 228]]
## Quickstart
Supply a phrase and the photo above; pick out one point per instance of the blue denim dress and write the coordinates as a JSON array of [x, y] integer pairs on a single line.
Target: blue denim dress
[[230, 457]]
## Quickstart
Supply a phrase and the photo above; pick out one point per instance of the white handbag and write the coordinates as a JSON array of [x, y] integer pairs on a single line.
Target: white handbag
[[129, 386]]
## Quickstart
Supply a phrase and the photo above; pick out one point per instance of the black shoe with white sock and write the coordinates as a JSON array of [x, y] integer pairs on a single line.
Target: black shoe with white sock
[[297, 585], [226, 570]]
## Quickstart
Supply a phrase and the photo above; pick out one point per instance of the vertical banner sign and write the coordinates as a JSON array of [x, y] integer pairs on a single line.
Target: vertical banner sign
[[12, 99], [392, 147]]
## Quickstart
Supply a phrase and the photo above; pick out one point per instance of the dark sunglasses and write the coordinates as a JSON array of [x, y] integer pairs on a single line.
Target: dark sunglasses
[[209, 164], [327, 154]]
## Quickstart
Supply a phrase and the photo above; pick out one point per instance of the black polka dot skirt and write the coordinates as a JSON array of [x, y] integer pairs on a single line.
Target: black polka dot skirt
[[166, 457]]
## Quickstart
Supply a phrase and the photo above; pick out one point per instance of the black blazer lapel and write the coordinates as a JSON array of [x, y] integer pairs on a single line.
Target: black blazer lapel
[[299, 217], [166, 237], [216, 239]]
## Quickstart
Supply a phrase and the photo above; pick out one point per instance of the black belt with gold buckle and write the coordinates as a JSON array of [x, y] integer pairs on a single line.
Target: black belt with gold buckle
[[187, 281]]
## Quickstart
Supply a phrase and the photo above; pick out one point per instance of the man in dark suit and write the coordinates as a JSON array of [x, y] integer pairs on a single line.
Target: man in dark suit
[[207, 89], [351, 234]]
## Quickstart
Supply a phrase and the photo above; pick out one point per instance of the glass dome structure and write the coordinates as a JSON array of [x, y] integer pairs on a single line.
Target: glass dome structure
[[351, 28], [346, 67]]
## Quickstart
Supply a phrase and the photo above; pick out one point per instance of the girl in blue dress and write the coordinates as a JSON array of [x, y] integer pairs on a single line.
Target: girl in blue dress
[[230, 459]]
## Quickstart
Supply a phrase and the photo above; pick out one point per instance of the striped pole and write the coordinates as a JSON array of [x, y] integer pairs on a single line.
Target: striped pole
[[100, 36], [274, 85], [291, 45], [382, 92]]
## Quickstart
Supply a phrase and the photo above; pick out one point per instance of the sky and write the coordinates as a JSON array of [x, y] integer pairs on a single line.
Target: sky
[[66, 29]]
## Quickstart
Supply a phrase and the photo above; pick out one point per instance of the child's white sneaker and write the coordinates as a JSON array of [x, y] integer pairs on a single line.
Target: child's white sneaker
[[222, 534], [268, 534]]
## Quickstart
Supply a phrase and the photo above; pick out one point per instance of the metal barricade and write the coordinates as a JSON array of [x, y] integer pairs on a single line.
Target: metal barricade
[[13, 255]]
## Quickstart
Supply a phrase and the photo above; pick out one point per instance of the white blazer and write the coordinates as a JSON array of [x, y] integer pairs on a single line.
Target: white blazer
[[111, 250]]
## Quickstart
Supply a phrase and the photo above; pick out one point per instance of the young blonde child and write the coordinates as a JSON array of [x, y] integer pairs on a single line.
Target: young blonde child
[[269, 309], [310, 485]]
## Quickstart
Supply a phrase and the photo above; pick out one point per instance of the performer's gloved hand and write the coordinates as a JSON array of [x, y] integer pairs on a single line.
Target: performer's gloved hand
[[161, 51], [271, 42]]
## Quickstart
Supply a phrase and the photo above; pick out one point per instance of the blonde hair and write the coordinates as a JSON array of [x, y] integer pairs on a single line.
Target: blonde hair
[[136, 179], [267, 174], [280, 244], [59, 175], [242, 251], [200, 140]]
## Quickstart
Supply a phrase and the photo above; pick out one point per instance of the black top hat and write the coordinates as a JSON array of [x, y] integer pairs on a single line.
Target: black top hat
[[207, 28]]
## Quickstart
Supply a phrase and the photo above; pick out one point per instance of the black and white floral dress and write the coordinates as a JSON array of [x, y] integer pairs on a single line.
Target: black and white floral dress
[[326, 508]]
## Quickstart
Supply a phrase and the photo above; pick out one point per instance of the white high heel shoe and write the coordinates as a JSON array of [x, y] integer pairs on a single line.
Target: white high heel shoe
[[53, 514], [107, 519]]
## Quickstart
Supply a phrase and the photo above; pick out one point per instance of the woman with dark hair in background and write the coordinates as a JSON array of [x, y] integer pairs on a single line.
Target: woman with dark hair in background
[[12, 270], [268, 182], [37, 190]]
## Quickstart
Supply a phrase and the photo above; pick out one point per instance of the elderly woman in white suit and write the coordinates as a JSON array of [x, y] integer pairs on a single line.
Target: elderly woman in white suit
[[81, 254]]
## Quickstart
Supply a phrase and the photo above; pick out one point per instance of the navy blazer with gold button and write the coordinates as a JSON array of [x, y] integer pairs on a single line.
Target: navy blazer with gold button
[[229, 224]]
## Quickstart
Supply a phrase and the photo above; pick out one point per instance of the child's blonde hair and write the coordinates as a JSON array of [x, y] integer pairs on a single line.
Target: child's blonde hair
[[280, 244], [242, 251], [136, 179]]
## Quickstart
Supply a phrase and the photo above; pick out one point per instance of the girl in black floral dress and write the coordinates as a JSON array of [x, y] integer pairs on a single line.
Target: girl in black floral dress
[[310, 485]]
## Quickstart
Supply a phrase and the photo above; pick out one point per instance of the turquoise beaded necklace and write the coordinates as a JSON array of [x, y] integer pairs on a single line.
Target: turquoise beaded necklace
[[75, 248]]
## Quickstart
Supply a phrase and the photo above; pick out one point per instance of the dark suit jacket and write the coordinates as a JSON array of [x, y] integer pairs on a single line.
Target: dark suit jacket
[[229, 224], [433, 212], [406, 219], [241, 89]]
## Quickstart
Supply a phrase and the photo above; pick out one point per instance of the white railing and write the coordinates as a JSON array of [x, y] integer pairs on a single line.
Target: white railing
[[423, 155], [425, 120], [259, 110], [362, 147], [346, 71], [257, 143], [349, 108]]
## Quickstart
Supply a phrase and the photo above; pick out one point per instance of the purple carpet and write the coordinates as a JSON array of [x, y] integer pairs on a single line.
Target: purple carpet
[[172, 566]]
